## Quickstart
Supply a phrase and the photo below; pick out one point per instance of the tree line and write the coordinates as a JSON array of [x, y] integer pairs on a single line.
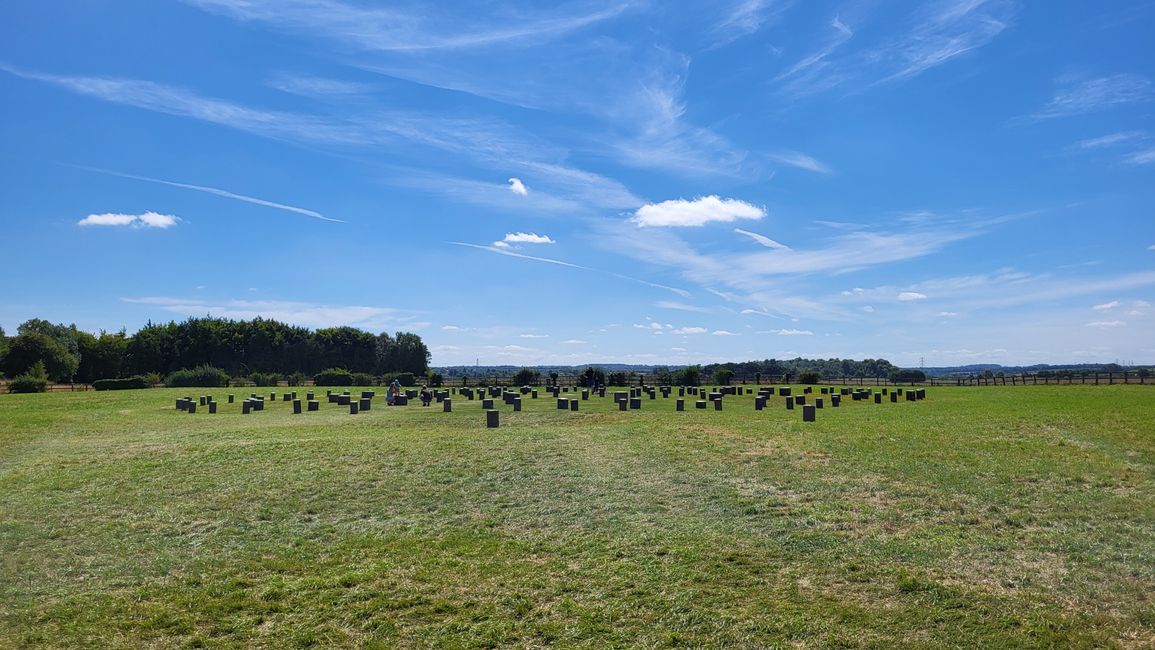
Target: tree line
[[238, 347]]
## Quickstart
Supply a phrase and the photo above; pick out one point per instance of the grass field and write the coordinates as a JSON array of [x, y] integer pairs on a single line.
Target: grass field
[[980, 517]]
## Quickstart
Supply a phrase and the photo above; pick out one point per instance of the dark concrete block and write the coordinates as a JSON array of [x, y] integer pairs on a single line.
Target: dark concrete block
[[878, 398], [491, 419], [365, 404], [784, 391], [562, 403], [573, 404], [635, 403], [246, 406], [894, 398], [401, 400], [759, 403], [296, 407], [818, 402], [800, 400], [623, 405], [680, 405], [835, 401], [447, 405], [808, 414], [700, 404], [517, 404], [212, 407], [314, 405], [717, 405], [231, 399], [789, 403], [192, 407], [353, 407], [487, 403]]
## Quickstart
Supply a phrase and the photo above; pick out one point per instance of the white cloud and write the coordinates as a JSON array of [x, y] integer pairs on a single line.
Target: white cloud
[[907, 296], [574, 342], [517, 187], [722, 333], [534, 336], [1097, 94], [690, 330], [762, 239], [677, 349], [699, 212], [868, 309], [948, 314], [154, 220], [1107, 305], [451, 328], [108, 220], [1151, 247], [788, 332], [1106, 323], [145, 220], [527, 238]]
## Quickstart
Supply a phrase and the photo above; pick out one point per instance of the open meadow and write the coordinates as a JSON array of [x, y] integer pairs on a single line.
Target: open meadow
[[979, 517]]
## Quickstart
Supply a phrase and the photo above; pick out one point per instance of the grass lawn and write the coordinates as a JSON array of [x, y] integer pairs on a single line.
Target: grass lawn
[[980, 517]]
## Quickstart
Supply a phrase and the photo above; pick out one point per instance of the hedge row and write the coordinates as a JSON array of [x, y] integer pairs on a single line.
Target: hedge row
[[127, 383]]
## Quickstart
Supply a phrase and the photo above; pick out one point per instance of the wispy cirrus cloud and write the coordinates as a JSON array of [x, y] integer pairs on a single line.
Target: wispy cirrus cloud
[[307, 314], [1077, 97], [318, 87], [407, 29], [679, 306], [745, 17], [934, 34]]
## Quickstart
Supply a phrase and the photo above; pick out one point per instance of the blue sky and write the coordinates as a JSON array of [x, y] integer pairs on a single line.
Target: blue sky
[[959, 181]]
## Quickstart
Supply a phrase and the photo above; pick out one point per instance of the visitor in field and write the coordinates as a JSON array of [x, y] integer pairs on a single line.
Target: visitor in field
[[392, 393], [426, 396]]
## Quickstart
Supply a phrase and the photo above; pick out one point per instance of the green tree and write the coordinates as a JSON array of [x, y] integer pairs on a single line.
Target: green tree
[[412, 355], [722, 376], [27, 349], [906, 376]]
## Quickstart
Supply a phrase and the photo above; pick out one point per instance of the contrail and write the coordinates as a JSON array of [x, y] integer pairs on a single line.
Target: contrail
[[212, 190]]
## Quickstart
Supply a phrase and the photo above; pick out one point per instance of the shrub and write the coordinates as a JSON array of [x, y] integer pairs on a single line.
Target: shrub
[[364, 379], [297, 379], [809, 377], [199, 376], [907, 376], [265, 378], [153, 378], [435, 380], [723, 376], [526, 377], [33, 381], [128, 383], [689, 376], [406, 379], [617, 379], [333, 377]]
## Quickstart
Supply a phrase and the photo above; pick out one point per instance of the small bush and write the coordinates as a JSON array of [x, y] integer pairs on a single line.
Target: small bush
[[436, 380], [200, 376], [364, 379], [809, 377], [128, 383], [153, 378], [297, 379], [406, 379], [333, 377], [265, 378], [526, 377], [33, 381]]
